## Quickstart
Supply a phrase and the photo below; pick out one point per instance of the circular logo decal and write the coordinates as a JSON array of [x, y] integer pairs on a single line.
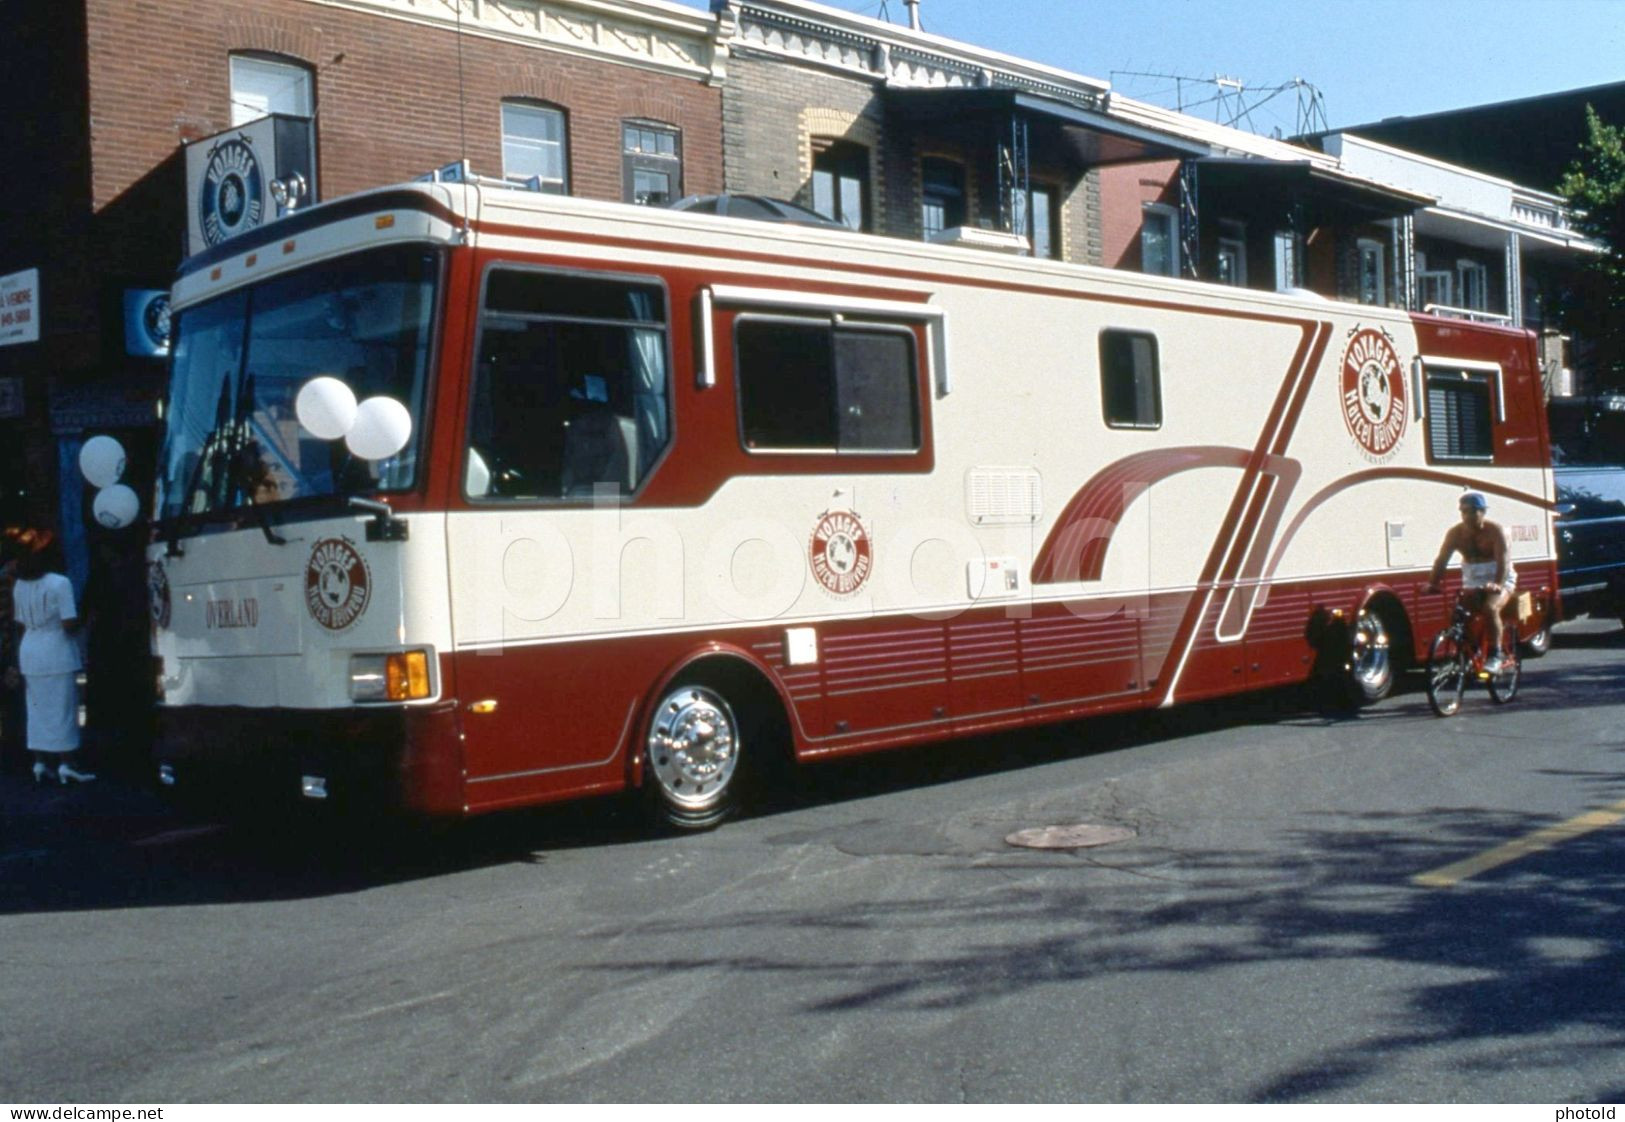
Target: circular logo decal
[[1373, 385], [337, 583], [155, 321], [842, 556], [158, 594], [231, 200]]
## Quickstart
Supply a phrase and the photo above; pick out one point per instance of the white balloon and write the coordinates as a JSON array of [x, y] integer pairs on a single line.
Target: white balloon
[[382, 428], [326, 407], [101, 461], [116, 506]]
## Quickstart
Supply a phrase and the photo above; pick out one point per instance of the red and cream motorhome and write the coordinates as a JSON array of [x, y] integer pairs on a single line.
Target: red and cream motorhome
[[652, 497]]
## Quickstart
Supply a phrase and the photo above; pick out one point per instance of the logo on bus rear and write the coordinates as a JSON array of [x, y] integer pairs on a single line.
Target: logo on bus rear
[[1373, 386], [842, 556], [337, 583]]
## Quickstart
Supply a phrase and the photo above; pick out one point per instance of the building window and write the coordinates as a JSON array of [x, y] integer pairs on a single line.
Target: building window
[[1473, 285], [1038, 219], [570, 388], [1373, 281], [1130, 385], [818, 384], [841, 182], [942, 196], [261, 86], [533, 146], [651, 164], [1459, 425], [1232, 259], [1159, 240], [1288, 261]]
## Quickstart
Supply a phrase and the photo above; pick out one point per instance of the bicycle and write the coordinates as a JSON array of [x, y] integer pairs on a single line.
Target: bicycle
[[1458, 653]]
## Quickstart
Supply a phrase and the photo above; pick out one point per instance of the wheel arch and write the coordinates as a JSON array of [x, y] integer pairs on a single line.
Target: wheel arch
[[1386, 603], [729, 668]]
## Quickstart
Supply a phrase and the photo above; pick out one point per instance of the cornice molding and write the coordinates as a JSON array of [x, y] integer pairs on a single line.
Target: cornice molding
[[642, 33]]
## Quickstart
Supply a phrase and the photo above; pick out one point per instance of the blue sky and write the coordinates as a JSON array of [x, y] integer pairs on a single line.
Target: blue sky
[[1370, 59]]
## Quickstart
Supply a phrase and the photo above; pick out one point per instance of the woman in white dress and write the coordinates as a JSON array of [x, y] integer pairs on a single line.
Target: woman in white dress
[[48, 657]]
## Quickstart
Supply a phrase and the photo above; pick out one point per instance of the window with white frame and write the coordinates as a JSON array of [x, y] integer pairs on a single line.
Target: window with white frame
[[1373, 273], [533, 145], [1159, 240], [261, 86], [1473, 285], [1232, 259]]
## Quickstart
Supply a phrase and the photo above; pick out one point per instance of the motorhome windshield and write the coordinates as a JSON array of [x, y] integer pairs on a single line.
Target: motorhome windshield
[[240, 360]]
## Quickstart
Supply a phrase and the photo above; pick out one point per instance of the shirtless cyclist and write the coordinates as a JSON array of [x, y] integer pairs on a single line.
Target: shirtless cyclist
[[1484, 566]]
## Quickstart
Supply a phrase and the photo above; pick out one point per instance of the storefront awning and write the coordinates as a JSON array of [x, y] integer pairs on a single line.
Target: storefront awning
[[1087, 137], [1325, 195]]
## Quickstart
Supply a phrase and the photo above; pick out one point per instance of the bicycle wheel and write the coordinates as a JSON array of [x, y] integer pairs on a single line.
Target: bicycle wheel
[[1504, 685], [1447, 672]]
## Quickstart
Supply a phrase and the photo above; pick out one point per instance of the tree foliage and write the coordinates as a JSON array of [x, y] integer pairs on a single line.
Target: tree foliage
[[1594, 187]]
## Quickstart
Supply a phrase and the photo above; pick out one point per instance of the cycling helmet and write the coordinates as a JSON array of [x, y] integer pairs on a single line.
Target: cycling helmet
[[1475, 500]]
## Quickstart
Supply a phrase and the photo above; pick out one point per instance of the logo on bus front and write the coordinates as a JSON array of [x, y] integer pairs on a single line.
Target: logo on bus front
[[1373, 387], [158, 594], [842, 556], [337, 583]]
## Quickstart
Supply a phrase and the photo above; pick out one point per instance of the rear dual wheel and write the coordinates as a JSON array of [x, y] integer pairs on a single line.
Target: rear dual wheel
[[1371, 664]]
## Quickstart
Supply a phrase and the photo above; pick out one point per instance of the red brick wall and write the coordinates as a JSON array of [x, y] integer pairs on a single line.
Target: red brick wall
[[1123, 190], [387, 104]]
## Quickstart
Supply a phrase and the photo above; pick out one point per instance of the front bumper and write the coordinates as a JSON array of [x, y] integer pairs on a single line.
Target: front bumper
[[370, 760]]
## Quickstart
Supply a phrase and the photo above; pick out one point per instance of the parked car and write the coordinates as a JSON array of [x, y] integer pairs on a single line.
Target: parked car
[[752, 206], [1588, 466]]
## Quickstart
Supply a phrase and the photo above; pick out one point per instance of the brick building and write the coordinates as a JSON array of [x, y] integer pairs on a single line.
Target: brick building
[[613, 99], [897, 131], [602, 99], [900, 132]]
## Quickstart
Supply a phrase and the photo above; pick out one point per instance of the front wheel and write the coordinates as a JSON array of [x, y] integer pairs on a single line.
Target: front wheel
[[1504, 684], [692, 752], [1447, 673]]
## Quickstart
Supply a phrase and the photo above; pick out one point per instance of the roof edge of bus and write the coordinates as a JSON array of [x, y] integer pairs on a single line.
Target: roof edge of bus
[[433, 198], [457, 204]]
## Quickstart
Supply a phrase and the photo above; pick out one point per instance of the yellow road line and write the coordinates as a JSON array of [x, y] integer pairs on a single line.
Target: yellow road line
[[1447, 875]]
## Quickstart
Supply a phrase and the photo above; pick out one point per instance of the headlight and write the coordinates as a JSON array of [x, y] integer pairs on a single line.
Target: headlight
[[399, 676]]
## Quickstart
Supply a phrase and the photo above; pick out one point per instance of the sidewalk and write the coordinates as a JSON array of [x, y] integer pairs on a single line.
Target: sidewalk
[[50, 816]]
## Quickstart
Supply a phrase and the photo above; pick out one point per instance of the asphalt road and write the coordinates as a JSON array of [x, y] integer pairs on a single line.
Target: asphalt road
[[1261, 937]]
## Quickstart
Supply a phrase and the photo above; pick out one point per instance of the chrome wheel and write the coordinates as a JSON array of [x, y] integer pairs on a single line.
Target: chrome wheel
[[693, 754], [1371, 667], [1536, 645]]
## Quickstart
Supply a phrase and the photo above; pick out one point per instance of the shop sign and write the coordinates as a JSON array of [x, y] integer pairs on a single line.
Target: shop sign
[[19, 307]]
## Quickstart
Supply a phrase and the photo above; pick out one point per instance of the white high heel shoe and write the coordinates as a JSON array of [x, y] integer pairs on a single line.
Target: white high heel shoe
[[39, 773], [65, 773]]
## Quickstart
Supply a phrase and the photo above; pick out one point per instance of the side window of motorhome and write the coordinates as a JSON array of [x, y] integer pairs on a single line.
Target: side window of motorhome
[[1130, 384], [1460, 411], [570, 387], [821, 384]]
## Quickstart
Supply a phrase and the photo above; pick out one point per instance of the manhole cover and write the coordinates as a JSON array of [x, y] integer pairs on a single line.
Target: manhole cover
[[1069, 837]]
